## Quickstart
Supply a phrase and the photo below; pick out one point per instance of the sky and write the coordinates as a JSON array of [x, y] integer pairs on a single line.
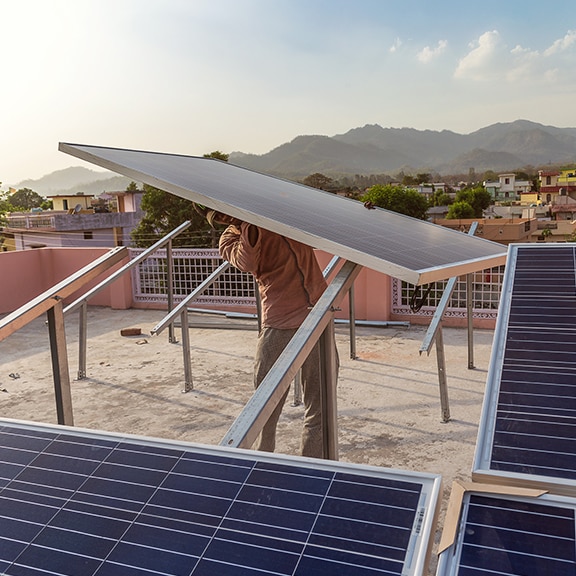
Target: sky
[[195, 76]]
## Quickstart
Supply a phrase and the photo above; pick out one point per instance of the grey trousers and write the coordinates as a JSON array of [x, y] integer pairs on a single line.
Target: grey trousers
[[271, 343]]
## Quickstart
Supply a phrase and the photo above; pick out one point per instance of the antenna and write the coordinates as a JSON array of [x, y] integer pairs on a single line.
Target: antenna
[[77, 208]]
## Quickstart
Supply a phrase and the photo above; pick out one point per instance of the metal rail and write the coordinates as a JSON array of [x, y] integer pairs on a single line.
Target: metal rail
[[434, 334], [51, 302], [317, 326], [182, 310], [82, 302]]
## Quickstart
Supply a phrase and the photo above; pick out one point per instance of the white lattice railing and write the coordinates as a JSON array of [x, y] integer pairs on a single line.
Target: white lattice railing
[[190, 268], [234, 288], [486, 288]]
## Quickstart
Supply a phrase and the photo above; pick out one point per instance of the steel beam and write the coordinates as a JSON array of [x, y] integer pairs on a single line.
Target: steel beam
[[247, 426]]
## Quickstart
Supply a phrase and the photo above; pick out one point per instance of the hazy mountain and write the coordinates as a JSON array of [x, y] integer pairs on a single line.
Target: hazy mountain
[[76, 179], [375, 150], [368, 150], [310, 154]]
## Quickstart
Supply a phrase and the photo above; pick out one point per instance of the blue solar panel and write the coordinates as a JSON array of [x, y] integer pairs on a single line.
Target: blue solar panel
[[83, 503], [528, 425], [512, 536], [407, 248]]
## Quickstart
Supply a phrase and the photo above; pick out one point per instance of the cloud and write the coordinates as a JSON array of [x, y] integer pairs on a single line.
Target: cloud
[[396, 46], [562, 44], [428, 54], [479, 63], [489, 59]]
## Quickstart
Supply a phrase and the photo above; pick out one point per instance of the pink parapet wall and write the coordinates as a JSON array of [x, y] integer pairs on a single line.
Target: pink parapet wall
[[372, 294], [25, 274]]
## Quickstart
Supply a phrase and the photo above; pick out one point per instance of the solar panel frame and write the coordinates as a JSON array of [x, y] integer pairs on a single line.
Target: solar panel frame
[[527, 430], [413, 250], [512, 535], [76, 501]]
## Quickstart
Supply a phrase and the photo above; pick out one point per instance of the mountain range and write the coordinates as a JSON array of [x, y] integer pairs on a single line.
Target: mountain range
[[76, 179], [372, 149], [376, 150]]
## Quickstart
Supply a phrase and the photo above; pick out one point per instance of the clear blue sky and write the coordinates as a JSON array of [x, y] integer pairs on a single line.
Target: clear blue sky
[[193, 76]]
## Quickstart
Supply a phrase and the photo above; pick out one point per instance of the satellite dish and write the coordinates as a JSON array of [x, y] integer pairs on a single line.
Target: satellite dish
[[77, 208]]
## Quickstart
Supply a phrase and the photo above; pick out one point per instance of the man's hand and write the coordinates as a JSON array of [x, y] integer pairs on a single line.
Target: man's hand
[[213, 217], [224, 219]]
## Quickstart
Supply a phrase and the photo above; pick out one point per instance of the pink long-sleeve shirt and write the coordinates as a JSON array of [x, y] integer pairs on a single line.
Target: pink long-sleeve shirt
[[289, 278]]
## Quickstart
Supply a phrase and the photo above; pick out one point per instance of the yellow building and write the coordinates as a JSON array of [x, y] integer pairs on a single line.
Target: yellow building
[[71, 201]]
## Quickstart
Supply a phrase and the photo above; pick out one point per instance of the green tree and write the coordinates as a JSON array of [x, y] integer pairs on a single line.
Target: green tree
[[440, 198], [319, 181], [479, 198], [25, 199], [218, 155], [460, 210], [397, 199], [164, 212], [5, 205]]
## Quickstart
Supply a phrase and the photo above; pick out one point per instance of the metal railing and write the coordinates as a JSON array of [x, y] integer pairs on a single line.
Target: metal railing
[[82, 302], [51, 302]]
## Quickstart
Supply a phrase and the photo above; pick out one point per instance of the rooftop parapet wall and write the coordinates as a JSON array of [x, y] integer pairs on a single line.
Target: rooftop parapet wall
[[27, 273]]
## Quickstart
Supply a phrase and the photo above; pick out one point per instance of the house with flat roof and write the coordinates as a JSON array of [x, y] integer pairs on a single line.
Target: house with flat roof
[[77, 220], [507, 188]]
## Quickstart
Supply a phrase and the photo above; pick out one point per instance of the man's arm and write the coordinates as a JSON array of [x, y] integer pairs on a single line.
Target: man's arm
[[240, 245]]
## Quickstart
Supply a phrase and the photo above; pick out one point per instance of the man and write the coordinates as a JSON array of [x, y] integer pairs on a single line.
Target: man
[[290, 282]]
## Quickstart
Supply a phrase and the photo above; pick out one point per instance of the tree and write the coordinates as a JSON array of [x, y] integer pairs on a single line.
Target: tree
[[478, 198], [440, 198], [460, 210], [397, 199], [218, 155], [5, 205], [25, 199], [165, 211], [319, 181]]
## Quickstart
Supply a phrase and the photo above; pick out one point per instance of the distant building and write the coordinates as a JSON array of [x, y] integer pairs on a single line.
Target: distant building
[[77, 220], [79, 201], [507, 189], [429, 189], [558, 190]]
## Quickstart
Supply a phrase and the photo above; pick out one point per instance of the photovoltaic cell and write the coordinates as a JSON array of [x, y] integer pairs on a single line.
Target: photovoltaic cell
[[512, 536], [406, 248], [77, 502], [528, 425]]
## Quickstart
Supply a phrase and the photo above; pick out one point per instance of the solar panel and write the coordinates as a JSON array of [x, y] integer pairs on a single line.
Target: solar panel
[[512, 536], [412, 250], [527, 431], [92, 503]]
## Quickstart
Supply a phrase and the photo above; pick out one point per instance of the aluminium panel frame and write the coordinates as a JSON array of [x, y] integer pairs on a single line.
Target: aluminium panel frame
[[481, 467]]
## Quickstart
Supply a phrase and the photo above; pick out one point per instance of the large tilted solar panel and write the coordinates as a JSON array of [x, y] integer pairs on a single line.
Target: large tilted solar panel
[[75, 502], [527, 431], [512, 536], [412, 250]]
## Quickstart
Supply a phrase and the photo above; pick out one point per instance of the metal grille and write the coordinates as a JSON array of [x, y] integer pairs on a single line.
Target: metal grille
[[486, 286], [235, 288], [190, 268]]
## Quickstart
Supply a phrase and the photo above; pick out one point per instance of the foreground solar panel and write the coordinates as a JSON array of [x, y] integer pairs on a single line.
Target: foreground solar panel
[[527, 432], [75, 502], [413, 250], [502, 535]]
